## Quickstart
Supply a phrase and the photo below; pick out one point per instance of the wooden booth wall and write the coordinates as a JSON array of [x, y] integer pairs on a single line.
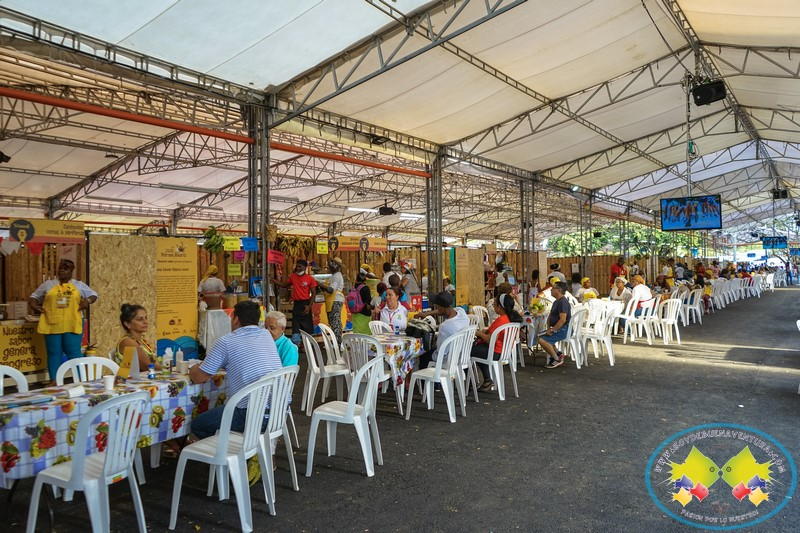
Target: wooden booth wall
[[23, 272], [122, 270]]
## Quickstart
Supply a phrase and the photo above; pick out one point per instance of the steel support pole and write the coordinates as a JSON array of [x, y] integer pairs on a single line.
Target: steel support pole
[[264, 197], [527, 241], [433, 237], [252, 118]]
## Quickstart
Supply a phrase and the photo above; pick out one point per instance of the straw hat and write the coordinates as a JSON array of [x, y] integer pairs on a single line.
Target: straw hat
[[338, 262]]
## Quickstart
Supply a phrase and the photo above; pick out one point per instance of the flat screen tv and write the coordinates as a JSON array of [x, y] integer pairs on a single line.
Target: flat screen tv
[[773, 243], [691, 213]]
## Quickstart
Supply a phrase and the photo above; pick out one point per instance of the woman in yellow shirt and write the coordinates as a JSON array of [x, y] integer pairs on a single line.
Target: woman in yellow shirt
[[61, 301]]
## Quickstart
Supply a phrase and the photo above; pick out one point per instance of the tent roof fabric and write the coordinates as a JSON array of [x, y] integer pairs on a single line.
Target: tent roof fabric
[[586, 94]]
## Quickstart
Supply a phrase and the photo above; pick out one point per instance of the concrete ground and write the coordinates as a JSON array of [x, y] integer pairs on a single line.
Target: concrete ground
[[568, 455]]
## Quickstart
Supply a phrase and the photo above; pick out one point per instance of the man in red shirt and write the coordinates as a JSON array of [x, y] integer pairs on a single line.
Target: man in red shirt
[[618, 270], [303, 290]]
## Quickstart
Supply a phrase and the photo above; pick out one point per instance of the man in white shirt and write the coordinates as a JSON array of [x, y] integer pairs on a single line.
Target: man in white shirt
[[555, 272], [455, 321], [248, 353]]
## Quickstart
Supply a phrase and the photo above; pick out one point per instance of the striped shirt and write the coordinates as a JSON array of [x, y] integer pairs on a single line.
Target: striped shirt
[[247, 354]]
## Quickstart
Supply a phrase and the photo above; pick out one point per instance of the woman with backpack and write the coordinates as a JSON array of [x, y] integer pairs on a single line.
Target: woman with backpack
[[358, 302]]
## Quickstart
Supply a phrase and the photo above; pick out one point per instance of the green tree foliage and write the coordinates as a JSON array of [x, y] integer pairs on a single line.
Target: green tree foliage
[[641, 241]]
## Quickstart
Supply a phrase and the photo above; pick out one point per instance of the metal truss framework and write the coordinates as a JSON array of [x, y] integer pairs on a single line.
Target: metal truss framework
[[663, 72], [462, 193], [342, 75], [38, 37]]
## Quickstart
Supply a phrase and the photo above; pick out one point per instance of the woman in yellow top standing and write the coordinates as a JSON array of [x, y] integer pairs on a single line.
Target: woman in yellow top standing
[[61, 301], [134, 320]]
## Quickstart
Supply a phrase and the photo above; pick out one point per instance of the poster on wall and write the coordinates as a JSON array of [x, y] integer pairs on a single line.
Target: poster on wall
[[36, 230], [21, 347], [176, 295]]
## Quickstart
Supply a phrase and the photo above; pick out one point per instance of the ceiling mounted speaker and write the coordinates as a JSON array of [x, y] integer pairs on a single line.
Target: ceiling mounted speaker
[[709, 93], [780, 194]]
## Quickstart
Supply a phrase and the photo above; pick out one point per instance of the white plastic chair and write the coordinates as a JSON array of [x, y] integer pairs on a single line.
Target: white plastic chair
[[332, 352], [350, 412], [474, 320], [318, 370], [769, 284], [573, 343], [228, 451], [666, 318], [448, 376], [482, 313], [571, 299], [510, 339], [85, 369], [281, 384], [643, 321], [601, 334], [15, 375], [360, 349], [377, 327], [93, 473], [694, 308]]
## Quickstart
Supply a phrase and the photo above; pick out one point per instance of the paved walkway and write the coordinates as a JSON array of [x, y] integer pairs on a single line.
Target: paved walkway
[[568, 455]]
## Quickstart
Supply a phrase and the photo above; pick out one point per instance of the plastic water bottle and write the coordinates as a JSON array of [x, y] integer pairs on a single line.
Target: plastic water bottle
[[396, 330], [151, 371], [166, 362], [178, 356]]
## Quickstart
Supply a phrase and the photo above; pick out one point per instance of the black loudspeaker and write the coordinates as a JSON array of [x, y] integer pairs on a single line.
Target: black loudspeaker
[[709, 93], [780, 194]]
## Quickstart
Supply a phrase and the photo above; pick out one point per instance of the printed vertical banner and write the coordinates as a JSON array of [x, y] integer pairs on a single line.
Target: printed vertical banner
[[176, 295]]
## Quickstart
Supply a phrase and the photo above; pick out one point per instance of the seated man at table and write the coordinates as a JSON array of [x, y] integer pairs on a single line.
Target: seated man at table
[[557, 326], [247, 353], [455, 321], [275, 323]]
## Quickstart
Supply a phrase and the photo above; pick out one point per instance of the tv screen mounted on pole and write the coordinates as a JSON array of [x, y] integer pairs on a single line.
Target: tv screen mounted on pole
[[691, 213]]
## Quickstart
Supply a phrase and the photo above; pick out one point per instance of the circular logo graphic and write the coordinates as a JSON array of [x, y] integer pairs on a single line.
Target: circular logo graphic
[[721, 476], [21, 230], [333, 244]]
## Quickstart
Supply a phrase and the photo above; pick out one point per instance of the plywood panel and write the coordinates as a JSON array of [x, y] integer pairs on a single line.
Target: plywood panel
[[122, 270]]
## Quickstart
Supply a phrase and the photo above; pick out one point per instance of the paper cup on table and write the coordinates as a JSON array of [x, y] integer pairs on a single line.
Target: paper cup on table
[[108, 382], [183, 367], [76, 391]]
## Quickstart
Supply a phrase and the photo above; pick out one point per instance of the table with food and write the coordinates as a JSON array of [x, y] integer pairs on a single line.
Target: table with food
[[37, 429]]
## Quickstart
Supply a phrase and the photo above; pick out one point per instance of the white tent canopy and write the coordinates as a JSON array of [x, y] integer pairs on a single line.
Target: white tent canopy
[[583, 94]]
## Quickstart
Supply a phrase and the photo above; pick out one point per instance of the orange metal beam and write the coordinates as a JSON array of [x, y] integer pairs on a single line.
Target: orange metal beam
[[180, 126]]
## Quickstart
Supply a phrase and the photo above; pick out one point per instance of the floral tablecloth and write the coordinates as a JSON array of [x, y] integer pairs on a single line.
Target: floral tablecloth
[[37, 436], [536, 324], [401, 351]]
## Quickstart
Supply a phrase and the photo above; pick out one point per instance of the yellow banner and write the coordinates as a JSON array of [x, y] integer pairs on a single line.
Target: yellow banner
[[231, 244], [234, 269], [351, 244], [322, 247], [42, 230], [23, 348], [176, 294]]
